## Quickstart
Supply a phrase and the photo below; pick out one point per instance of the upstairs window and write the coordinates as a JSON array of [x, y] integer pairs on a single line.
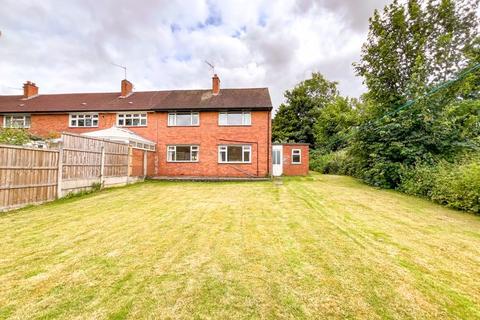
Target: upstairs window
[[235, 154], [83, 120], [182, 153], [183, 119], [134, 119], [296, 156], [235, 118], [16, 121]]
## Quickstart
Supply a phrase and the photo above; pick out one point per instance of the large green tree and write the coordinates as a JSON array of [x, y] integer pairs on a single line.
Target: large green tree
[[411, 49], [335, 123], [296, 118]]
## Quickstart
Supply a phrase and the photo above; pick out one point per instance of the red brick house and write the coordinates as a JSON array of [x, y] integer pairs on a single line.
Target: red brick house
[[205, 133]]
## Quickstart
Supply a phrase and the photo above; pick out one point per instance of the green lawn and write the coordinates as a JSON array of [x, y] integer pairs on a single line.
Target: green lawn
[[315, 247]]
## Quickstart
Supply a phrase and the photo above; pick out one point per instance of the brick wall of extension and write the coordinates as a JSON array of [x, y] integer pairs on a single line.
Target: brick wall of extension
[[208, 135], [295, 169]]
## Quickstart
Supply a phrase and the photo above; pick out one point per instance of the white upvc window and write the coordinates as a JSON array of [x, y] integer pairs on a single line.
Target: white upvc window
[[234, 118], [132, 119], [296, 156], [235, 154], [183, 118], [16, 121], [183, 153], [77, 120]]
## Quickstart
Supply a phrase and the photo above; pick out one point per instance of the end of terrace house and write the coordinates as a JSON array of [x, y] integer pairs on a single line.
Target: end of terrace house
[[212, 132]]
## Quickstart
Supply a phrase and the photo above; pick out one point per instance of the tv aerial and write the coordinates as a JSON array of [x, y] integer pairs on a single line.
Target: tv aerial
[[123, 67], [211, 66]]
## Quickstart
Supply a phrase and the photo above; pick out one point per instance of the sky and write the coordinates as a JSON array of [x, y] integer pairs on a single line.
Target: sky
[[69, 46]]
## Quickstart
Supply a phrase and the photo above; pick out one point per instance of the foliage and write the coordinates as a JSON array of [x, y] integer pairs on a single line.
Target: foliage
[[410, 49], [334, 124], [14, 136], [456, 184], [295, 120], [330, 163]]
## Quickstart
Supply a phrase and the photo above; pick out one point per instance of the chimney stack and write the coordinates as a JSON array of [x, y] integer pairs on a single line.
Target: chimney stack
[[127, 88], [215, 85], [29, 90]]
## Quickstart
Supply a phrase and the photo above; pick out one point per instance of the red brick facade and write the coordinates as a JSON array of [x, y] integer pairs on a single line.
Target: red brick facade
[[291, 169], [208, 135]]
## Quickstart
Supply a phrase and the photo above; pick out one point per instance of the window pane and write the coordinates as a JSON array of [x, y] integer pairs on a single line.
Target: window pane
[[247, 119], [195, 118], [222, 118], [81, 122], [184, 119], [223, 156], [234, 153], [194, 155], [235, 118], [246, 155], [171, 119], [143, 122], [183, 153], [171, 155]]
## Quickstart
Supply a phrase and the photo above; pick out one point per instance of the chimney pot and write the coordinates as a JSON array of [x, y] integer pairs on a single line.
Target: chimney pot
[[127, 88], [29, 90], [215, 84]]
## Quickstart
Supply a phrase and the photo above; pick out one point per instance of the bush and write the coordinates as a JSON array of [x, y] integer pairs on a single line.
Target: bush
[[456, 185], [14, 136], [330, 163]]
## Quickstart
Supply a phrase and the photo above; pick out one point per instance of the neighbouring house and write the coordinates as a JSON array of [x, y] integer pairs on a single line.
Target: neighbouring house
[[198, 133]]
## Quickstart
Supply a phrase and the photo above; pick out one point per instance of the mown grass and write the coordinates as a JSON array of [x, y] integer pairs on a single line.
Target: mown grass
[[314, 247]]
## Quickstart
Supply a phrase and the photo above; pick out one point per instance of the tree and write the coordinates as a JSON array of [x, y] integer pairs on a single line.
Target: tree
[[411, 49], [335, 123], [296, 118]]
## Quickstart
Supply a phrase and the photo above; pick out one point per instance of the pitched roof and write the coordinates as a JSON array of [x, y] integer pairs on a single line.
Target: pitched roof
[[249, 98]]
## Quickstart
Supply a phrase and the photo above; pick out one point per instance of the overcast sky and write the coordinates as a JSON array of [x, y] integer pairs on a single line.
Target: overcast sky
[[68, 46]]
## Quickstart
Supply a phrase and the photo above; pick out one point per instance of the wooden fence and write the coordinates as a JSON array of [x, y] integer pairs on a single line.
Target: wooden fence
[[32, 176], [27, 176]]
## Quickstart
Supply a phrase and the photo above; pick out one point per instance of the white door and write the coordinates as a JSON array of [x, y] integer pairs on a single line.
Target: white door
[[277, 155]]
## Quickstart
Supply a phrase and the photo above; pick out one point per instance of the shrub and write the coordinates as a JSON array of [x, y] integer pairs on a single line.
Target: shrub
[[14, 136], [330, 163], [458, 185], [454, 184]]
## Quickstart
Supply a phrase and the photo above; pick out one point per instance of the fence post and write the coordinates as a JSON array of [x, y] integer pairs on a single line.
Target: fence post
[[102, 167], [144, 163], [60, 171]]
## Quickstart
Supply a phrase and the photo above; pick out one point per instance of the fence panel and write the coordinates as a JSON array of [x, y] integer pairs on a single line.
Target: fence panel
[[27, 176]]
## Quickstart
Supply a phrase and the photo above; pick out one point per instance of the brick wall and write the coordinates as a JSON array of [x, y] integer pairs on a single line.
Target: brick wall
[[290, 169], [208, 136]]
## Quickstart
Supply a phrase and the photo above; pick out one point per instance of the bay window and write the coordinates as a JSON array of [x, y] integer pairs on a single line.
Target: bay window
[[182, 153], [235, 154]]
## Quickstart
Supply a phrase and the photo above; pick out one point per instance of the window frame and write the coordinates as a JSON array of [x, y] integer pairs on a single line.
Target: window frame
[[299, 155], [243, 113], [140, 113], [244, 148], [175, 113], [76, 114], [183, 145], [23, 115]]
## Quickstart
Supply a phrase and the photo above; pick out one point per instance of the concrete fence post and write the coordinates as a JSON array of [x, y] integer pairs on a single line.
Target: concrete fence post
[[60, 171], [102, 167], [144, 163]]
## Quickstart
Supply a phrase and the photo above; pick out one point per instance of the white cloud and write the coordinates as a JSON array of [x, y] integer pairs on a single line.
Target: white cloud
[[68, 46]]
